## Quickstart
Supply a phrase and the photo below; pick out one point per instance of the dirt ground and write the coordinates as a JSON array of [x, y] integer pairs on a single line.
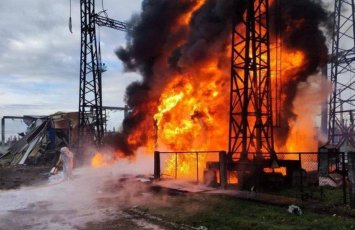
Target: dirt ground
[[93, 199], [13, 177], [109, 199]]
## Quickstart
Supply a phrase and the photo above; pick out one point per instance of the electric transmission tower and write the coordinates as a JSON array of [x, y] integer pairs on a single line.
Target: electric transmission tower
[[342, 75], [251, 120], [91, 120]]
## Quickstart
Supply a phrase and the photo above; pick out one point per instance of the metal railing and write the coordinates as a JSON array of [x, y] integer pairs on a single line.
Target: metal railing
[[157, 164], [309, 172]]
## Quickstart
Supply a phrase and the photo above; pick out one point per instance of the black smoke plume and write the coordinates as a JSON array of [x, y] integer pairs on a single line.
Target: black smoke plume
[[155, 35], [151, 50], [300, 25]]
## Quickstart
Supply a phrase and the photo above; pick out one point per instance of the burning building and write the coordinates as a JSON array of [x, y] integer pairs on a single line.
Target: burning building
[[182, 49]]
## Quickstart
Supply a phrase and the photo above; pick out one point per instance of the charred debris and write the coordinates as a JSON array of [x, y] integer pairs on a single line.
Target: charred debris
[[40, 143]]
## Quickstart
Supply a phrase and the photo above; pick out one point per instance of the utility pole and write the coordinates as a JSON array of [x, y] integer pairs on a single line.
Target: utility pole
[[91, 120], [342, 75], [251, 117]]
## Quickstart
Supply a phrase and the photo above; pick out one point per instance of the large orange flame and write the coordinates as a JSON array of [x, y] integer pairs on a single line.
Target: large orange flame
[[193, 109]]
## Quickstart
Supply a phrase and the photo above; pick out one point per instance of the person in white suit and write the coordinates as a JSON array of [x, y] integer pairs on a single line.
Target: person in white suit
[[67, 159]]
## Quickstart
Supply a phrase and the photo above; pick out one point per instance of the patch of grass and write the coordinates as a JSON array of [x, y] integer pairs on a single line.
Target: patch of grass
[[326, 196], [334, 195], [223, 212]]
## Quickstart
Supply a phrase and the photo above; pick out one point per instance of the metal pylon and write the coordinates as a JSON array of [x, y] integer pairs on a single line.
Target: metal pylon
[[251, 120], [91, 119], [342, 75]]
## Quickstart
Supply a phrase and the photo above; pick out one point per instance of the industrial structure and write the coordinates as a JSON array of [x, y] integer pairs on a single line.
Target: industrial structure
[[342, 74], [254, 107], [91, 118], [125, 110], [3, 120], [251, 115], [255, 100]]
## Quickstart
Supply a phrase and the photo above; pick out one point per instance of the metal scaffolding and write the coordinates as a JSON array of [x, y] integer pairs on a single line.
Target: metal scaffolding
[[251, 120], [342, 75]]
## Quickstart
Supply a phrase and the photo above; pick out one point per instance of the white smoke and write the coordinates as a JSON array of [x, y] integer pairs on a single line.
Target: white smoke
[[307, 106], [93, 195]]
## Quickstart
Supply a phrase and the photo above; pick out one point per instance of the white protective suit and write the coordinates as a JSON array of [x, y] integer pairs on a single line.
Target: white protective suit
[[67, 158]]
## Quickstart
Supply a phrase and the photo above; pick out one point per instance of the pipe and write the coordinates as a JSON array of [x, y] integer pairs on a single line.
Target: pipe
[[157, 165]]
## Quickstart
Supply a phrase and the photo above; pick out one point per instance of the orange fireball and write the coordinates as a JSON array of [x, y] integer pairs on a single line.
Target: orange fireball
[[98, 160]]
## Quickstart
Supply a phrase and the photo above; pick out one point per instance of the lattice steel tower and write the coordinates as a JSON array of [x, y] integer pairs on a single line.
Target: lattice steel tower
[[91, 121], [342, 75], [251, 121]]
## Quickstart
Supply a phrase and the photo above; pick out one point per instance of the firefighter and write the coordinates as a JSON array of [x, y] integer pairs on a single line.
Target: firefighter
[[66, 159]]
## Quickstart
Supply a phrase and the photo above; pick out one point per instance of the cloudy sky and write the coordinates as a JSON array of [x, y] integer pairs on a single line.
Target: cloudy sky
[[39, 57]]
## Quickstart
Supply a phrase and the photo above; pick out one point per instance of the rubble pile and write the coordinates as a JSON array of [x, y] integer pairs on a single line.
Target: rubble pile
[[40, 144]]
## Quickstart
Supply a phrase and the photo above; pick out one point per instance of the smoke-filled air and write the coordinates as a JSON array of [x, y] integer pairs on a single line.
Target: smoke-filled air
[[182, 50]]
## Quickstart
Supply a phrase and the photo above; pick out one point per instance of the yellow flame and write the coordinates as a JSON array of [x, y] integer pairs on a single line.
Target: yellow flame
[[168, 103], [98, 160]]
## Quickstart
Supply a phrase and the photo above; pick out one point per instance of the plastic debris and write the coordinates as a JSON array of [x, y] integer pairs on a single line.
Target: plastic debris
[[202, 228], [293, 209]]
